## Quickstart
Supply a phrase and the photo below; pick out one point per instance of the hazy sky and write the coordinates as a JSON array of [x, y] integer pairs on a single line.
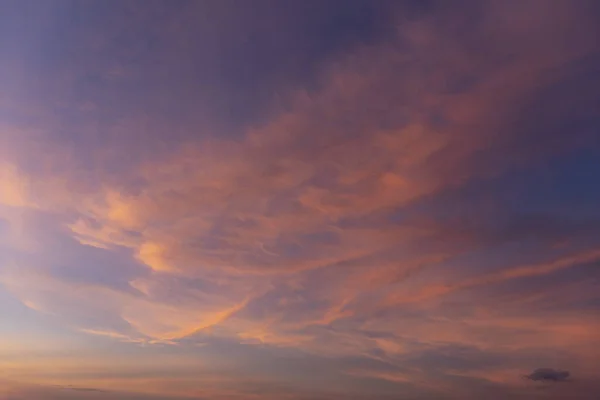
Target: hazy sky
[[299, 199]]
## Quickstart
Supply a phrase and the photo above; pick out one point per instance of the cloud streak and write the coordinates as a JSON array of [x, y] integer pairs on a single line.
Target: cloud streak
[[549, 374]]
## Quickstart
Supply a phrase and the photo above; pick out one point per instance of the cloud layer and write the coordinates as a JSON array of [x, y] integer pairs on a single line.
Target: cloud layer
[[399, 201]]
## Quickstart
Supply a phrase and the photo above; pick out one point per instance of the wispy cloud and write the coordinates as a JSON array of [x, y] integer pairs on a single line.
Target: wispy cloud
[[378, 210]]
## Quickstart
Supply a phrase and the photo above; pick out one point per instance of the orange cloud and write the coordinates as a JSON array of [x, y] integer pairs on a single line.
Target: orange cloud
[[431, 292], [13, 187], [302, 231]]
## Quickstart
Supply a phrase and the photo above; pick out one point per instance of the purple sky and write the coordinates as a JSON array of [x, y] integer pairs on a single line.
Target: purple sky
[[294, 200]]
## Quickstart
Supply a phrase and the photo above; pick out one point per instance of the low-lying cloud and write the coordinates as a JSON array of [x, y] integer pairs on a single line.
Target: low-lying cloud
[[549, 375]]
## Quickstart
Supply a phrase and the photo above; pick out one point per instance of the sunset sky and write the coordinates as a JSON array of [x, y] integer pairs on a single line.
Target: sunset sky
[[299, 199]]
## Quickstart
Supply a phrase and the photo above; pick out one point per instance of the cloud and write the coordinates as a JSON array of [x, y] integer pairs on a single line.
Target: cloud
[[313, 188], [84, 389], [376, 211], [549, 375], [508, 273]]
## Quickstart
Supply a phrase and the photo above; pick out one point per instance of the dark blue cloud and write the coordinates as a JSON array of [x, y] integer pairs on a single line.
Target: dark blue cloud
[[549, 375]]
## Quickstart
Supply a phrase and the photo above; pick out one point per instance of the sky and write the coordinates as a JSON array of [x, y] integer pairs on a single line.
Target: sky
[[299, 200]]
